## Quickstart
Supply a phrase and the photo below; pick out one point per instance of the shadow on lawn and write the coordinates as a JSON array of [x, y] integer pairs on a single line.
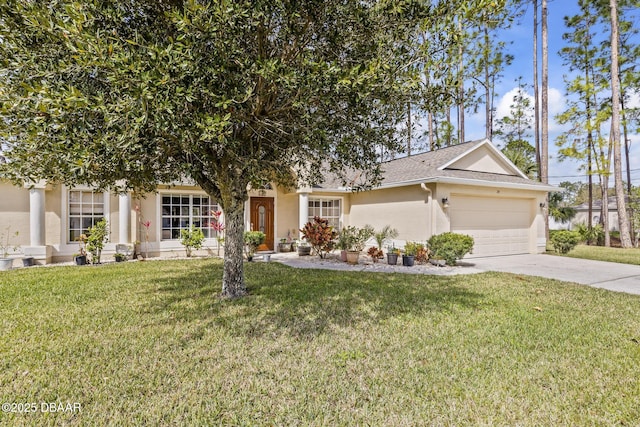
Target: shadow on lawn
[[304, 303]]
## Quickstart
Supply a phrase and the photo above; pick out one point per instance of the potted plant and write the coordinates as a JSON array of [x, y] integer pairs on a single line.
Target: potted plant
[[98, 236], [80, 258], [358, 242], [5, 262], [120, 257], [343, 242], [375, 253], [410, 249], [392, 255], [252, 239], [382, 236], [284, 246], [304, 249]]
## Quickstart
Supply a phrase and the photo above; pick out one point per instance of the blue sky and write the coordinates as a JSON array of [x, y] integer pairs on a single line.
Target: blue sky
[[522, 49]]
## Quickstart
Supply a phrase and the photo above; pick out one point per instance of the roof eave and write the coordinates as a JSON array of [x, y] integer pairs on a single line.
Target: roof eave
[[538, 186]]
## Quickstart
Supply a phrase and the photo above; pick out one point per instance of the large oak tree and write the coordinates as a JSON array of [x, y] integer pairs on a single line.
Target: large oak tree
[[231, 94]]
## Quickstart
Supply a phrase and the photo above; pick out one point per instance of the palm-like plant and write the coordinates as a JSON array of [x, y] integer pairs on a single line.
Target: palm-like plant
[[385, 234]]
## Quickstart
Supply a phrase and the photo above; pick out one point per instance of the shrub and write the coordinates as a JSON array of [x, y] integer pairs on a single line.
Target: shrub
[[375, 253], [253, 239], [320, 235], [98, 236], [385, 234], [191, 238], [595, 235], [450, 246], [356, 238], [563, 241]]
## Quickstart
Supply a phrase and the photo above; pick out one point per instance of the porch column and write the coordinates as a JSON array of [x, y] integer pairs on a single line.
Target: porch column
[[303, 209], [124, 217], [37, 248]]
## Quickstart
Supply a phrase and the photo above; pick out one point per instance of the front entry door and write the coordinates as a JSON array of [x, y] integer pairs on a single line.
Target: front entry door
[[262, 218]]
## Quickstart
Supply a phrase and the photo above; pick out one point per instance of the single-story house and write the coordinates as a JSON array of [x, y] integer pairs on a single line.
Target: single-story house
[[582, 213], [471, 188]]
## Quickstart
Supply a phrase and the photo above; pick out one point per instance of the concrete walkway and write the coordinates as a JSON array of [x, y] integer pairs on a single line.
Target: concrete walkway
[[599, 274]]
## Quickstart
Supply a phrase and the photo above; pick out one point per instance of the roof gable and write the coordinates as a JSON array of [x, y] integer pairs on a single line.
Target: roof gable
[[483, 157]]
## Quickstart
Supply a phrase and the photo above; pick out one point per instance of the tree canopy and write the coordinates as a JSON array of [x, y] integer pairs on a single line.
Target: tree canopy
[[229, 94]]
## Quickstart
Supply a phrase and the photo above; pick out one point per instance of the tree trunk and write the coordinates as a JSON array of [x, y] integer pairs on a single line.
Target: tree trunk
[[623, 220], [544, 146], [233, 285], [487, 88], [461, 78], [536, 94]]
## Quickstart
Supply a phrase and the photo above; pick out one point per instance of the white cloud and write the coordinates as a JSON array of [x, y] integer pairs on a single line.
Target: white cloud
[[634, 100]]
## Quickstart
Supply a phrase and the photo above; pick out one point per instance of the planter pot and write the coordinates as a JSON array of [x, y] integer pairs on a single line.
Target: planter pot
[[438, 262], [392, 259], [81, 260], [27, 261], [284, 247], [6, 264], [352, 257], [304, 250], [343, 256], [119, 259], [250, 258], [408, 260]]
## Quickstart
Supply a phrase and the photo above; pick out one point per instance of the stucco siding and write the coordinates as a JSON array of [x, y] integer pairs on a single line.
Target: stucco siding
[[404, 208], [14, 213]]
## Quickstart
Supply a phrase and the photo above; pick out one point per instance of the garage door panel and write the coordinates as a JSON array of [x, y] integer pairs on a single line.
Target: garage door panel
[[499, 226]]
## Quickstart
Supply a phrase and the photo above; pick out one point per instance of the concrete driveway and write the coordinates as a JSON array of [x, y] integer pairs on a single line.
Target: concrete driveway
[[599, 274]]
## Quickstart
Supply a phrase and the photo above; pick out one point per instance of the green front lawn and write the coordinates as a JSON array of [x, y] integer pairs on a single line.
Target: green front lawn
[[601, 253], [149, 343]]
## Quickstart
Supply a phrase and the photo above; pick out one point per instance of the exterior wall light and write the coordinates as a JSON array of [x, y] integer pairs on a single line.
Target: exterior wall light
[[445, 202]]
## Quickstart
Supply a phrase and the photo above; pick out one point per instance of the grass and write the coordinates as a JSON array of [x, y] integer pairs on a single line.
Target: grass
[[601, 253], [151, 344]]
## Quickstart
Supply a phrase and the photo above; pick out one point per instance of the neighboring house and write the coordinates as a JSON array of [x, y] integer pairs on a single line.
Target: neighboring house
[[470, 188], [582, 213]]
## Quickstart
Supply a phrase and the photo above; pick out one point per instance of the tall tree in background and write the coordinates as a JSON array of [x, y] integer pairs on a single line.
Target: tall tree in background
[[515, 130], [536, 90], [587, 110], [232, 94], [544, 142], [623, 220]]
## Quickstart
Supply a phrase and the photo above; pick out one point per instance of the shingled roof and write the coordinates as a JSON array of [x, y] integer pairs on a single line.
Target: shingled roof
[[432, 167]]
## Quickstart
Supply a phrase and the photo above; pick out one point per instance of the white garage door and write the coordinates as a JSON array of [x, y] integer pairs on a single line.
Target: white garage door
[[499, 226]]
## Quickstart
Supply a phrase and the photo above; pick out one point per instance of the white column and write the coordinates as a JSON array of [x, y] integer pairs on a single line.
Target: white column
[[124, 218], [36, 216], [303, 209]]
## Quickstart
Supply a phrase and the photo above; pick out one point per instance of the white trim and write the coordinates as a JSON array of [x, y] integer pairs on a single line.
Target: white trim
[[171, 244], [492, 148], [341, 198], [66, 247], [536, 186], [453, 180]]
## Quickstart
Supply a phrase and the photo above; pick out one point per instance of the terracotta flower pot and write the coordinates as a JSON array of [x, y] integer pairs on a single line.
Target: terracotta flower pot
[[352, 257]]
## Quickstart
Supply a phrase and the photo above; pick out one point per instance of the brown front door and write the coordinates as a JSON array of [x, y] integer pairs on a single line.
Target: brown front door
[[262, 218]]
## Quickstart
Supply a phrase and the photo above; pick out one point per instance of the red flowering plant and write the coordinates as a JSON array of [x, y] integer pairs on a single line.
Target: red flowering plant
[[320, 235], [218, 227], [146, 224]]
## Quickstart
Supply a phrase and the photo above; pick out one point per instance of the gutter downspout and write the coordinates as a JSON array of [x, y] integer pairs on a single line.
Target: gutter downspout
[[433, 206]]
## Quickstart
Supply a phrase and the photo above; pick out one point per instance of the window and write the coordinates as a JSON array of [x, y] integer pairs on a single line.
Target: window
[[326, 208], [85, 209], [185, 210]]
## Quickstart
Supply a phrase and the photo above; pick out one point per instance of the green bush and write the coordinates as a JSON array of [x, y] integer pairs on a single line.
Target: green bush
[[563, 241], [191, 238], [253, 239], [450, 246], [320, 235], [98, 236], [595, 235]]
